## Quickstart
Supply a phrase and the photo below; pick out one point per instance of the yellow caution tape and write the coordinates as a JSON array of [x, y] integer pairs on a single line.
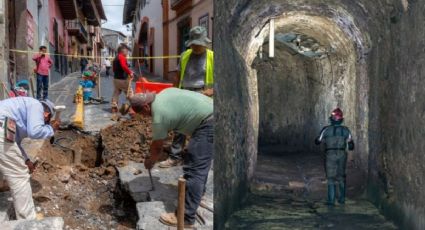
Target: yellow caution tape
[[83, 56]]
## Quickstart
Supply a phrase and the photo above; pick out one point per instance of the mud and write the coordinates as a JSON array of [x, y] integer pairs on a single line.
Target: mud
[[86, 194]]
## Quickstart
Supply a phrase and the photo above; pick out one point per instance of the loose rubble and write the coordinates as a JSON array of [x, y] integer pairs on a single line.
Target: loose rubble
[[85, 194]]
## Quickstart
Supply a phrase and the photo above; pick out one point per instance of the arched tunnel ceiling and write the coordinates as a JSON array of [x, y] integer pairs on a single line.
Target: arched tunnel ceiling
[[331, 25], [312, 36], [314, 31], [303, 44]]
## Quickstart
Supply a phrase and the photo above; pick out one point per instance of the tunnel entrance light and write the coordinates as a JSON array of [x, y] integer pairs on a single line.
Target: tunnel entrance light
[[302, 44]]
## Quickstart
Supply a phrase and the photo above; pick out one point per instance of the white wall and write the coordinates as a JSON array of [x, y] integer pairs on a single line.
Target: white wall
[[43, 23], [153, 11]]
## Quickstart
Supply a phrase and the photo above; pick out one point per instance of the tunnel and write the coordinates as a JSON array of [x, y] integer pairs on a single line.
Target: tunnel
[[312, 72], [355, 55]]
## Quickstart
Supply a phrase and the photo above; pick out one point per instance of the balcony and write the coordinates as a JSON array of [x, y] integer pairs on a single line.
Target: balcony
[[181, 5], [75, 28]]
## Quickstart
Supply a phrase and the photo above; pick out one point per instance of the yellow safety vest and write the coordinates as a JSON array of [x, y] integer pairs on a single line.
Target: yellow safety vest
[[209, 70]]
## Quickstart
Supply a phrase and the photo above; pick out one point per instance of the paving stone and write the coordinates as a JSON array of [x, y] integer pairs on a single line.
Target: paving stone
[[164, 198], [50, 223], [139, 186], [149, 213]]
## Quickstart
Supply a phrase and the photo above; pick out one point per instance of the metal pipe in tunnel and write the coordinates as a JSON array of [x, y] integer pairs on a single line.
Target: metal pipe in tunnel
[[271, 38]]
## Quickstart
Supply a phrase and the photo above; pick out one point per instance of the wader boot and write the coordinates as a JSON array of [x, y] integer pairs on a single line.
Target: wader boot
[[331, 194], [341, 198]]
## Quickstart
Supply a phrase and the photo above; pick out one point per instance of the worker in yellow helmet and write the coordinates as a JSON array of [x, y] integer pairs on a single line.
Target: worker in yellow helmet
[[195, 73]]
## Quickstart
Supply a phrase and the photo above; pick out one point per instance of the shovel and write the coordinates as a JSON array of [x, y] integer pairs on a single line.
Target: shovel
[[126, 106]]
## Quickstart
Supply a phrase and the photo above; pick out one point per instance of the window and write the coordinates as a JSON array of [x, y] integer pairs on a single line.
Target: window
[[204, 22]]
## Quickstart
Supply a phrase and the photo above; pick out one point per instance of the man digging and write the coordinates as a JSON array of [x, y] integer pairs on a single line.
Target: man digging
[[22, 117], [189, 113]]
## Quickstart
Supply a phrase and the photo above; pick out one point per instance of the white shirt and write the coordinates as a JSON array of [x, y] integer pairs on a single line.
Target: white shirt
[[107, 63]]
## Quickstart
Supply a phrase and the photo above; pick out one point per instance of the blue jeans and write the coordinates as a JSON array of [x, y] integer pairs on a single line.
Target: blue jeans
[[83, 68], [42, 86], [177, 146], [197, 164]]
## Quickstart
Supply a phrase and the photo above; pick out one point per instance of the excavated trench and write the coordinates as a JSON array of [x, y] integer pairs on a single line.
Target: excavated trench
[[77, 177], [355, 55]]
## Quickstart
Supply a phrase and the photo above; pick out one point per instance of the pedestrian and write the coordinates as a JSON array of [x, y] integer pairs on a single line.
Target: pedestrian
[[189, 113], [43, 64], [196, 73], [22, 117], [122, 77], [83, 63], [107, 66], [337, 138]]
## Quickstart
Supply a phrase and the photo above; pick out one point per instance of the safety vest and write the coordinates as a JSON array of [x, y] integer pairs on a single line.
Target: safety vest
[[209, 70]]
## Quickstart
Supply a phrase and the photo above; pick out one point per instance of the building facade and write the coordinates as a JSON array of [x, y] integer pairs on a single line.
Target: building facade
[[112, 40], [28, 24], [161, 28], [3, 49], [147, 33], [84, 28], [181, 16]]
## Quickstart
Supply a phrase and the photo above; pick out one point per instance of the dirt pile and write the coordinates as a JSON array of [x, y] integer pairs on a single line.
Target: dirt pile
[[86, 195], [125, 141]]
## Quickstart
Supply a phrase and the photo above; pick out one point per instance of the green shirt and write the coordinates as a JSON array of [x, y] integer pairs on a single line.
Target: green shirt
[[179, 110]]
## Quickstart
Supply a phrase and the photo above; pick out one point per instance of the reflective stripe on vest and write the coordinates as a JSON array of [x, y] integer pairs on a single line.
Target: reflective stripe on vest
[[209, 70]]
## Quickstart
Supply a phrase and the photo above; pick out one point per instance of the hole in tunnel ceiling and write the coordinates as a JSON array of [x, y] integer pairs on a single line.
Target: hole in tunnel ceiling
[[303, 44]]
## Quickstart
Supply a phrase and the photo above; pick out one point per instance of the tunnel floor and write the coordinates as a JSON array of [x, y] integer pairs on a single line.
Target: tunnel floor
[[289, 192]]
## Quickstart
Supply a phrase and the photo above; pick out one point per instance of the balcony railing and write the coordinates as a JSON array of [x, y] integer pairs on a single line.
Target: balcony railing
[[75, 28], [176, 4]]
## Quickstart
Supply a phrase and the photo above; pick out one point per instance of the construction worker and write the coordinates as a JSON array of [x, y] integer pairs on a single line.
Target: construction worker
[[122, 77], [196, 73], [189, 113], [22, 117], [336, 137], [43, 64]]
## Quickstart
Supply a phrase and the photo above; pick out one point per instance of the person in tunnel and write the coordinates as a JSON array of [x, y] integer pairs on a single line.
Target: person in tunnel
[[337, 138]]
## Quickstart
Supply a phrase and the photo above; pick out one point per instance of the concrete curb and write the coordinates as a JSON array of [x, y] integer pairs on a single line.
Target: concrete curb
[[78, 120]]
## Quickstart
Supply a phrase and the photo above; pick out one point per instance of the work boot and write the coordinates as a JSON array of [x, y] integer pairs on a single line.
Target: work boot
[[331, 195], [170, 219], [206, 204], [341, 198], [169, 163]]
